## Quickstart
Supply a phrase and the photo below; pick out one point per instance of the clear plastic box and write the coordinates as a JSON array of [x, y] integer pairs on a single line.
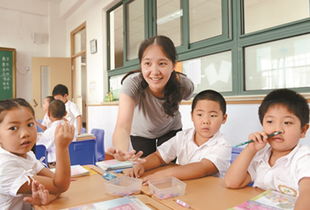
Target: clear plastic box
[[123, 186], [167, 187]]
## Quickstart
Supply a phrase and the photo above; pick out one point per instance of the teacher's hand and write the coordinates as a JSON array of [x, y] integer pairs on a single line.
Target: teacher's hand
[[123, 156]]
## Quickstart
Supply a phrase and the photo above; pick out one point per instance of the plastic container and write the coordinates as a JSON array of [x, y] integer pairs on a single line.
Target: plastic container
[[167, 187], [123, 186]]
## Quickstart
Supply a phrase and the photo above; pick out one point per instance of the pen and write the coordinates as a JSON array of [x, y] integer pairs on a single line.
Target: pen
[[269, 136]]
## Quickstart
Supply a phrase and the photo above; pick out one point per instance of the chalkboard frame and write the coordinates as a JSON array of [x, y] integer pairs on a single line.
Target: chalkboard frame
[[13, 69]]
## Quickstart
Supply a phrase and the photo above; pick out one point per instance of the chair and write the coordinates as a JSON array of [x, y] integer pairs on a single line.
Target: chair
[[83, 130], [38, 128], [235, 152], [99, 133], [41, 153], [82, 152]]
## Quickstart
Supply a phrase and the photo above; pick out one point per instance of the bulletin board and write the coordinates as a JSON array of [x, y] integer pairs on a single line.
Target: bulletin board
[[7, 73]]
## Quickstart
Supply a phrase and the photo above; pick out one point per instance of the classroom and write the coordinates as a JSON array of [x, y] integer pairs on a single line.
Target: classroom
[[243, 49]]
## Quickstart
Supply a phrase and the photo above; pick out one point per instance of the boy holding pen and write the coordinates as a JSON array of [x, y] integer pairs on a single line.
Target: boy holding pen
[[278, 162], [200, 151]]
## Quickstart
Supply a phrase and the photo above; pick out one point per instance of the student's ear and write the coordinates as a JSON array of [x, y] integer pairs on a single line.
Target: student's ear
[[224, 118], [304, 130]]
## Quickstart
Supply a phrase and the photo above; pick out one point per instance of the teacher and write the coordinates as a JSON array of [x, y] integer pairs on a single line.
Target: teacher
[[148, 113]]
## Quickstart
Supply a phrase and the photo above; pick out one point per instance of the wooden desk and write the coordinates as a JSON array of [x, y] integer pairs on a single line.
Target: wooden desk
[[83, 190], [208, 193], [90, 189]]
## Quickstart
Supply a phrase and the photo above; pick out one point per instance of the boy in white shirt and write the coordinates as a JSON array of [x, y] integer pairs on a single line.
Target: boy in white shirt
[[46, 120], [73, 116], [280, 162], [56, 113], [200, 151]]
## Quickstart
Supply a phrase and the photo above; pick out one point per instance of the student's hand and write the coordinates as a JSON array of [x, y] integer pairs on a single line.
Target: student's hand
[[260, 140], [64, 135], [123, 156], [156, 175], [40, 196], [137, 171]]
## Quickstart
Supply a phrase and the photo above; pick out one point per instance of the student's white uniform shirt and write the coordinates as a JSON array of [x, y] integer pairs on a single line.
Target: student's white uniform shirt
[[46, 121], [47, 138], [285, 174], [72, 113], [14, 172], [183, 147]]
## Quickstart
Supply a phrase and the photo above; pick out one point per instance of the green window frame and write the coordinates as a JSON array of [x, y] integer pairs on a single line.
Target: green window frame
[[232, 39]]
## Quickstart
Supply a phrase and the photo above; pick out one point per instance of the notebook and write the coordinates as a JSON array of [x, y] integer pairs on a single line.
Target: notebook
[[76, 171], [124, 203], [269, 200], [114, 164]]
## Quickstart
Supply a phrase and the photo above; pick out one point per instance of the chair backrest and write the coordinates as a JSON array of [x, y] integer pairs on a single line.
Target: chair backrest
[[99, 133], [235, 152], [41, 153], [83, 130], [38, 128], [82, 152]]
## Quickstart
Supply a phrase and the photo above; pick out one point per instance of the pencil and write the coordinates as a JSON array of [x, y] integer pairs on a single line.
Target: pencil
[[269, 136]]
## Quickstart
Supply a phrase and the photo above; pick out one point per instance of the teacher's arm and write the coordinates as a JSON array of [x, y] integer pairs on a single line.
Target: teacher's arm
[[121, 135]]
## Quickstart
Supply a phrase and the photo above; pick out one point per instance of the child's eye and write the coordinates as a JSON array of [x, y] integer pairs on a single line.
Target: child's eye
[[30, 124], [199, 115], [288, 123], [213, 115], [13, 128], [269, 121], [162, 64]]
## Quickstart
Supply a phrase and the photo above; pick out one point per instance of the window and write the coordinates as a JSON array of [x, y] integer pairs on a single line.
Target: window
[[286, 11], [116, 37], [135, 28], [238, 47], [278, 64], [205, 19], [169, 14], [210, 72]]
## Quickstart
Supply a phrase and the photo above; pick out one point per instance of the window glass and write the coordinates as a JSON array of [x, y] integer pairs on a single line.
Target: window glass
[[116, 38], [169, 15], [135, 30], [80, 41], [210, 72], [205, 19], [261, 14], [115, 87], [279, 64]]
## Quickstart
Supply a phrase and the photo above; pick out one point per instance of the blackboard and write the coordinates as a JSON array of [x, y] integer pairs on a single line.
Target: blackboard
[[7, 73]]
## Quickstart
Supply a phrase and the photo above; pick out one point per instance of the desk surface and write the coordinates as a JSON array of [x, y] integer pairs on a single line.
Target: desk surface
[[86, 189], [90, 189], [208, 193]]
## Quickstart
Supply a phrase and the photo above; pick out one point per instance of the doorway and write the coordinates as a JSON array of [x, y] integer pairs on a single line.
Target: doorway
[[79, 70], [46, 73]]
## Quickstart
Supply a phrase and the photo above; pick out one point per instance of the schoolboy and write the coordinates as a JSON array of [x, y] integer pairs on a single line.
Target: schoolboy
[[201, 150], [74, 116], [280, 163], [56, 113]]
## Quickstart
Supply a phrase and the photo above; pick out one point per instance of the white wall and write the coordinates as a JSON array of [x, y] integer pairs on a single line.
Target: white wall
[[242, 120], [93, 13], [24, 27]]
